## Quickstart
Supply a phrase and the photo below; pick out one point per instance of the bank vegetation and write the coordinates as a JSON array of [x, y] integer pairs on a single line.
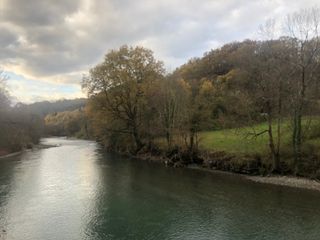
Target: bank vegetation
[[257, 89], [19, 128]]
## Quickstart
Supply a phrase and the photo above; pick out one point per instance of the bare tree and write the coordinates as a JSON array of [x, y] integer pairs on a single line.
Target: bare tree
[[4, 95], [303, 29]]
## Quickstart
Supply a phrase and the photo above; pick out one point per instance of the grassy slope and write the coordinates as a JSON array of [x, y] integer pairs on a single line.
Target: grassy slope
[[239, 142]]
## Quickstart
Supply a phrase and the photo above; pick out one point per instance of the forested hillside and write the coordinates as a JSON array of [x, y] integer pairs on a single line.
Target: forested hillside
[[44, 108], [267, 88], [68, 123]]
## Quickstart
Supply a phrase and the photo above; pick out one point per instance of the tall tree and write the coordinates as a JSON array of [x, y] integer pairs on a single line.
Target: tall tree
[[123, 80], [266, 74], [303, 28]]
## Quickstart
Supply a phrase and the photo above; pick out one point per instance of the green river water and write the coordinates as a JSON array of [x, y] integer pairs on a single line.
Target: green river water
[[75, 192]]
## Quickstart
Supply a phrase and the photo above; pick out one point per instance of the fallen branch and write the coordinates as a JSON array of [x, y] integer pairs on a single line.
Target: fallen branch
[[255, 135]]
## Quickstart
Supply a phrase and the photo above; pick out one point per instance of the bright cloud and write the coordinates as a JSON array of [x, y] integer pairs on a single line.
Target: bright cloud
[[52, 43]]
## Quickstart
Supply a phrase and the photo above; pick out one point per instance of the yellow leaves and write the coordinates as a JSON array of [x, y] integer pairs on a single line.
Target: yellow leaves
[[61, 117], [229, 76], [185, 86], [206, 88]]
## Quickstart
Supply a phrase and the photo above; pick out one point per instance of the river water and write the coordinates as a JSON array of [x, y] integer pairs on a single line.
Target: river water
[[74, 191]]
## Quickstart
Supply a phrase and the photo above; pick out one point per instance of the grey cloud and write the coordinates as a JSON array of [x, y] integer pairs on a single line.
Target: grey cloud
[[7, 37], [37, 12], [63, 36]]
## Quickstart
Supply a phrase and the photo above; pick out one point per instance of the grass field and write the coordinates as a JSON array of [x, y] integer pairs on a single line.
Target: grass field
[[241, 141]]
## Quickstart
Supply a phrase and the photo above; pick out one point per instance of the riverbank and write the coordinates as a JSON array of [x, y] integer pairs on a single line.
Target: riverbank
[[249, 168], [6, 154], [287, 181]]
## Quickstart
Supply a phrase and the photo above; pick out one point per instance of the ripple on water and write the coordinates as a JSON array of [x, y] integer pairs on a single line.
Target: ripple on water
[[75, 192]]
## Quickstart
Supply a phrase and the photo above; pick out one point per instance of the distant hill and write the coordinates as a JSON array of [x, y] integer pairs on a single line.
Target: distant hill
[[68, 123], [44, 108]]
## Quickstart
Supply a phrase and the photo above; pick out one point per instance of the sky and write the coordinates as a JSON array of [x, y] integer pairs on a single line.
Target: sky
[[48, 45]]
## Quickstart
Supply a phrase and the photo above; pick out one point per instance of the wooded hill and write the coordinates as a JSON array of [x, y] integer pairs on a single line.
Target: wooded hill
[[134, 106], [45, 107]]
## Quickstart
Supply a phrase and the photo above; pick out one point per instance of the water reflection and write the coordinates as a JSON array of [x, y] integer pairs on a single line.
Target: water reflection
[[74, 191]]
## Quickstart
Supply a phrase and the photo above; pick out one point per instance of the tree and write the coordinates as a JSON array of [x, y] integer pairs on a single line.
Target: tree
[[4, 95], [123, 81], [67, 123], [170, 102], [198, 113], [266, 75], [18, 127], [304, 46]]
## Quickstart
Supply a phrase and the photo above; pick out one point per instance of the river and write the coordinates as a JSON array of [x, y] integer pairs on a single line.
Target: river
[[75, 191]]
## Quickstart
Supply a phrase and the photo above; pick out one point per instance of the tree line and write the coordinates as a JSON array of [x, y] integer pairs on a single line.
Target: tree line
[[67, 123], [19, 128], [22, 125], [134, 105]]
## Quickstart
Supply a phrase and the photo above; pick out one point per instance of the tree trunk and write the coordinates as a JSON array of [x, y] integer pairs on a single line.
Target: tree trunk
[[297, 141], [294, 143], [271, 141], [191, 141], [137, 139], [297, 131], [277, 156], [169, 139]]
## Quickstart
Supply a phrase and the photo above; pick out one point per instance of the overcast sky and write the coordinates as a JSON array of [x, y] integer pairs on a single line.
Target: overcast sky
[[47, 45]]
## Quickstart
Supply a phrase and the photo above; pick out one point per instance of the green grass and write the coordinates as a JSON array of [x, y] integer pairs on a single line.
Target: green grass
[[240, 141], [232, 141], [235, 140]]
